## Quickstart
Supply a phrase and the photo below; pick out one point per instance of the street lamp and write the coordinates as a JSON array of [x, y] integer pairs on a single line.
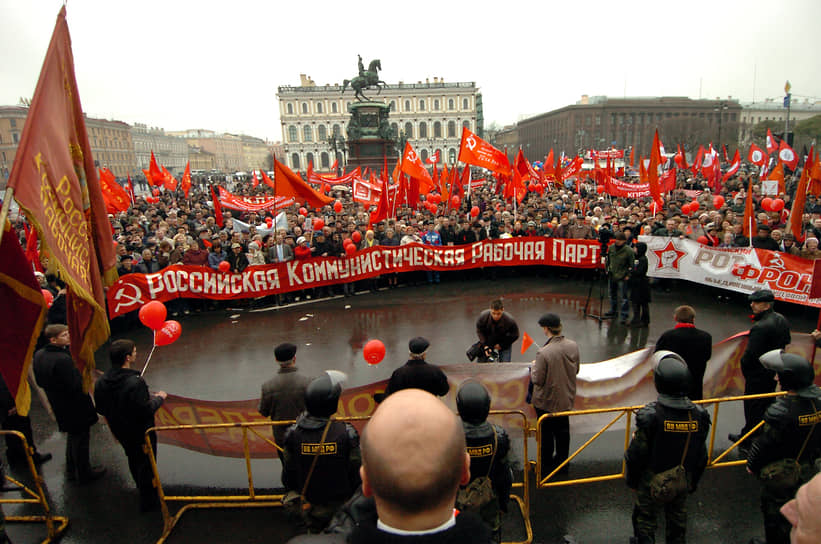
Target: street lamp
[[337, 143], [721, 107]]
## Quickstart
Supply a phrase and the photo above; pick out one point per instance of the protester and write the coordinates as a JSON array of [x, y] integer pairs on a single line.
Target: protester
[[418, 373], [695, 347]]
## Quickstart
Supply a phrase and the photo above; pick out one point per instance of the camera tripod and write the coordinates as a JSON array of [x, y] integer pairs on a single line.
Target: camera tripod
[[598, 279]]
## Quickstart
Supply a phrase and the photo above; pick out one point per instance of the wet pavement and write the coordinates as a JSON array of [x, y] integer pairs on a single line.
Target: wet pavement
[[226, 354]]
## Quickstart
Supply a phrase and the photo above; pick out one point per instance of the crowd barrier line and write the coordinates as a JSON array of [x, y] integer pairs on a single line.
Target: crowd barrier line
[[544, 481], [55, 525], [254, 500]]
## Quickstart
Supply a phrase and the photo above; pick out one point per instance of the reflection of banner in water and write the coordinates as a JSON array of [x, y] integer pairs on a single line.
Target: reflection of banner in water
[[133, 290], [622, 381], [738, 269]]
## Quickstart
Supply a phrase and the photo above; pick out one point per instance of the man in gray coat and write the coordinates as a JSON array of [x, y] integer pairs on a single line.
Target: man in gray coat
[[554, 389], [283, 396]]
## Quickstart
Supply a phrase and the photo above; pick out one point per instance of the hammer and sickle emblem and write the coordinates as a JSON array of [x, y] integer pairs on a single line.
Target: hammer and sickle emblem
[[130, 300], [411, 156], [470, 142]]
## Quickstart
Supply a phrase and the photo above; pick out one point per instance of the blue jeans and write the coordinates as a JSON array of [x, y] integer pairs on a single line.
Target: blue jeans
[[619, 289], [504, 355]]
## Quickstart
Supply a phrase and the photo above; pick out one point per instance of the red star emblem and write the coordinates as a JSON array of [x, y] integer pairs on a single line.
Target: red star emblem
[[669, 256]]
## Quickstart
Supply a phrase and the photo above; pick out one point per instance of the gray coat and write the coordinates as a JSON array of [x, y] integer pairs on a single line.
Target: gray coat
[[554, 375], [283, 398]]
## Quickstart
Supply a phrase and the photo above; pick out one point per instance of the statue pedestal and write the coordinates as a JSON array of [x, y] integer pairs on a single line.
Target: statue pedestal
[[370, 141]]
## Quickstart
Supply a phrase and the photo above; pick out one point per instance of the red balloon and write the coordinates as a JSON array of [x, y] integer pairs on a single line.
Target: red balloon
[[777, 205], [702, 240], [350, 249], [600, 189], [474, 211], [168, 333], [155, 192], [767, 204], [718, 201], [356, 236], [685, 209], [224, 266], [455, 201], [337, 206], [347, 242], [48, 296], [268, 221], [153, 314], [694, 206], [434, 208], [374, 352], [303, 211], [318, 224]]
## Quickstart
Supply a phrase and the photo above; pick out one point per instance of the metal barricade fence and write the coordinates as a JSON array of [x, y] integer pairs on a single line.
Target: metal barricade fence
[[55, 525], [252, 499], [543, 481]]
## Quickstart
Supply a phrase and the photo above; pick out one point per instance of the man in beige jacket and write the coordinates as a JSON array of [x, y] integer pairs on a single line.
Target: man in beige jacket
[[554, 389]]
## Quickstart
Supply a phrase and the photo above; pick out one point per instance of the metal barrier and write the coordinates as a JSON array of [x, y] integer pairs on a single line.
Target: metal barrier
[[627, 413], [254, 500], [55, 525]]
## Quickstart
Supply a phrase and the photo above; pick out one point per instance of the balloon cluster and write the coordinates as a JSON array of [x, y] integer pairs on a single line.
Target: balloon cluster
[[772, 204], [153, 315], [692, 207]]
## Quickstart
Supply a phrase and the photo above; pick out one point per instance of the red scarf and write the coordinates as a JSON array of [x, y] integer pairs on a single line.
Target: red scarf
[[684, 326]]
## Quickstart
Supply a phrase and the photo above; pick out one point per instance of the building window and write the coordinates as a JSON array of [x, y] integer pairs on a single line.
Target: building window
[[13, 123], [395, 130], [598, 120], [424, 156], [452, 155], [321, 133], [423, 130], [451, 104], [408, 130], [465, 104], [304, 107], [421, 105], [309, 158], [466, 124], [319, 107], [451, 129], [336, 131], [392, 105], [407, 105], [307, 134], [334, 107], [15, 137], [290, 109], [436, 104], [324, 160], [437, 129], [295, 161]]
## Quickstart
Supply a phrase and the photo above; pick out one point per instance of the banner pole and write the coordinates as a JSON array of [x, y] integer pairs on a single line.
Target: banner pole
[[4, 213]]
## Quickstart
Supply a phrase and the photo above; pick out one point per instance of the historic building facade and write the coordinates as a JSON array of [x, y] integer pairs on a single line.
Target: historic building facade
[[430, 115], [226, 148], [170, 151], [770, 109]]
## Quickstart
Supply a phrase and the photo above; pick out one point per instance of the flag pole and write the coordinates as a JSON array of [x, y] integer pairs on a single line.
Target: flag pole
[[4, 213]]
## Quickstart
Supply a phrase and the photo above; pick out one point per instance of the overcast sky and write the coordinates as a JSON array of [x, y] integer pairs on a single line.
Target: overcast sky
[[181, 65]]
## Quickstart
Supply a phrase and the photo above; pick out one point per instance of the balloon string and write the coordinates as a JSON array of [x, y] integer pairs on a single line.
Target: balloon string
[[149, 359]]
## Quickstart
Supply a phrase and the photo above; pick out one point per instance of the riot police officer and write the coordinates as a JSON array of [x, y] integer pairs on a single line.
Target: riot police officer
[[783, 455], [669, 433], [488, 446], [321, 456]]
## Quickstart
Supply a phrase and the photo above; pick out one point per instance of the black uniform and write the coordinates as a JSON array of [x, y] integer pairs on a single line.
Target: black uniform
[[787, 422], [122, 396], [479, 441], [695, 347], [770, 331], [658, 445], [418, 374]]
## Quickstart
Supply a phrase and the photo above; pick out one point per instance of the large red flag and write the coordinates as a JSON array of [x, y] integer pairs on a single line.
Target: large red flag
[[287, 183], [548, 168], [23, 315], [778, 175], [653, 172], [55, 183], [381, 212], [756, 155], [266, 179], [750, 226], [113, 193], [787, 155], [168, 181], [696, 166], [186, 179], [474, 150], [217, 208], [154, 175], [413, 167], [254, 179], [815, 176], [32, 253], [796, 221], [771, 143], [708, 163], [734, 166]]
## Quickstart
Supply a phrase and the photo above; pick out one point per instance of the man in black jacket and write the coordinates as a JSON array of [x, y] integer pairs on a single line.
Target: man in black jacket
[[122, 397], [770, 331], [694, 345], [56, 374], [497, 330], [417, 373]]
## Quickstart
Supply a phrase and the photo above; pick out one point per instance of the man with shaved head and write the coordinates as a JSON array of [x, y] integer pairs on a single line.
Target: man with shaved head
[[413, 462]]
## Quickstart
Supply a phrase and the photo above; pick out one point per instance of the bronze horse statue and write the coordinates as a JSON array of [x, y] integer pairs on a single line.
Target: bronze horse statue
[[367, 79]]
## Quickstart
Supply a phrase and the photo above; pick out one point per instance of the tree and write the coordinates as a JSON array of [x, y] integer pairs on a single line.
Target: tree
[[809, 128]]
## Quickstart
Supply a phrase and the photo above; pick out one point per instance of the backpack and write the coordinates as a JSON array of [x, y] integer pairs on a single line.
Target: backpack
[[478, 496]]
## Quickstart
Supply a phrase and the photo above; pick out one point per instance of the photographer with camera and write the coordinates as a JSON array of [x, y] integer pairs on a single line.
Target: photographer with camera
[[497, 330]]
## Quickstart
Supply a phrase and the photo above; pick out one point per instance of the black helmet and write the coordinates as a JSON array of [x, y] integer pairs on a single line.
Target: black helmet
[[473, 402], [322, 394], [794, 372], [672, 379]]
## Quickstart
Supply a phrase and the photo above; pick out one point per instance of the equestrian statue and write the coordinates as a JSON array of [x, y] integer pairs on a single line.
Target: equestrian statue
[[367, 79]]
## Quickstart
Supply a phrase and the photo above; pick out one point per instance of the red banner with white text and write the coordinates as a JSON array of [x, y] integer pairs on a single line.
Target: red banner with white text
[[253, 203]]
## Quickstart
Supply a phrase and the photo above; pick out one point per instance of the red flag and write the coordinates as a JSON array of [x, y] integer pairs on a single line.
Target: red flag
[[335, 166], [815, 176], [680, 159], [787, 155], [750, 226], [548, 168], [756, 155], [724, 151], [217, 208], [797, 210], [154, 175], [734, 166], [130, 189], [290, 184], [632, 156], [771, 143], [699, 158], [521, 164], [168, 181], [433, 159], [254, 179], [113, 193], [412, 166], [381, 212], [266, 179], [708, 163], [186, 179], [56, 184], [778, 175], [653, 171], [474, 150], [25, 311], [32, 254], [527, 341]]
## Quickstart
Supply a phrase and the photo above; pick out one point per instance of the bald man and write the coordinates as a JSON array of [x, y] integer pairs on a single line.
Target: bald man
[[413, 462], [802, 513]]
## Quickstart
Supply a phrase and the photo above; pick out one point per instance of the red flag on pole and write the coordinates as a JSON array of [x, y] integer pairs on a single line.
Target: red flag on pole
[[474, 150], [154, 175], [787, 155], [734, 166], [289, 184], [797, 210], [113, 193], [756, 155], [527, 341], [130, 189], [750, 227], [186, 179], [266, 180], [771, 144], [653, 171], [168, 181], [32, 254], [413, 167], [55, 182], [217, 208]]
